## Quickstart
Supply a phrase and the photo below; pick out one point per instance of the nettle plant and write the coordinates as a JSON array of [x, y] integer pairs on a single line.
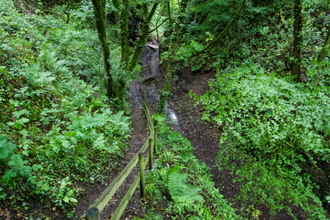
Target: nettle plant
[[275, 127]]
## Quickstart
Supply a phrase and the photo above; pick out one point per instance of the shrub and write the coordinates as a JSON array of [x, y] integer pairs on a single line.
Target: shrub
[[277, 128]]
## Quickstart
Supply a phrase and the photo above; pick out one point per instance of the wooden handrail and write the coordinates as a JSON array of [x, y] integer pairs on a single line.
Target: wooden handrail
[[124, 202], [108, 193]]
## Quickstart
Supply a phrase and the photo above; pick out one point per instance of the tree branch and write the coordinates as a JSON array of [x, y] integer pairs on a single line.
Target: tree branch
[[158, 25]]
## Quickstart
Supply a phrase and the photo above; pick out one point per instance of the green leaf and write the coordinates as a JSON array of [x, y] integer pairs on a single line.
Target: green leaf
[[328, 199], [36, 167], [66, 199], [16, 160], [25, 170], [66, 144], [6, 178], [24, 132], [3, 140], [5, 148], [24, 120], [73, 200], [45, 187], [11, 123], [18, 114], [71, 134], [9, 174]]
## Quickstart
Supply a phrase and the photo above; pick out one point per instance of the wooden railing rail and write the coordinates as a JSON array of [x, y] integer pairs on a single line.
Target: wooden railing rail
[[93, 213]]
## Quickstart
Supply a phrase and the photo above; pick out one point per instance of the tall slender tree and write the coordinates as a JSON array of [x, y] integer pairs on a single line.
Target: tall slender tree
[[122, 15], [145, 32], [125, 53], [176, 27], [297, 40], [99, 12]]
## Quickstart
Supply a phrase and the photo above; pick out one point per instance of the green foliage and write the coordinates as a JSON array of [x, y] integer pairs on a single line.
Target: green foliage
[[276, 132], [209, 15], [179, 185], [58, 130], [184, 53], [258, 106], [277, 127], [184, 195], [6, 149]]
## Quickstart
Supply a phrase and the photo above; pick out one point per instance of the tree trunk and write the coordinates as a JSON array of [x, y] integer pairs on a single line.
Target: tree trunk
[[297, 40], [125, 34], [143, 38], [99, 12], [324, 52], [115, 14]]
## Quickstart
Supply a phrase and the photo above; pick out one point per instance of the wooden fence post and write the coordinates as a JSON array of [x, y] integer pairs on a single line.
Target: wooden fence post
[[142, 181], [93, 214], [155, 141], [151, 152]]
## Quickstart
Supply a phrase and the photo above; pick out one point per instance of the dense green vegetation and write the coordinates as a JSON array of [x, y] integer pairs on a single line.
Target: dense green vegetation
[[179, 185], [64, 68], [57, 130], [278, 127]]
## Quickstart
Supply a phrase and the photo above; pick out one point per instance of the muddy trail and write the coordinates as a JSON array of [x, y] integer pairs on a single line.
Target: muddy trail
[[186, 120], [139, 90]]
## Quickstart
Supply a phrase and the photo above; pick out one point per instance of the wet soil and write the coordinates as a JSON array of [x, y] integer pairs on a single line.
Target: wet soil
[[140, 90]]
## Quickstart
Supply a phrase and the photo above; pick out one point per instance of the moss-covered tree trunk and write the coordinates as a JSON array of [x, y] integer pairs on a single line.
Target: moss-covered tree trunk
[[297, 40], [324, 52], [115, 14], [144, 36], [173, 41], [99, 12], [125, 33], [124, 28]]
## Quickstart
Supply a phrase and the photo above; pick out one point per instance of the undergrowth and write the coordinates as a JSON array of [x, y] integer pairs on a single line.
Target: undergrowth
[[180, 186], [276, 136], [57, 128]]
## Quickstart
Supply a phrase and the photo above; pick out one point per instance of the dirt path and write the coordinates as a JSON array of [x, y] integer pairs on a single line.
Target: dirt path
[[140, 90], [149, 59]]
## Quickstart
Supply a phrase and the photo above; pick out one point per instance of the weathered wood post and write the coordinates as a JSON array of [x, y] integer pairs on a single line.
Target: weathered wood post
[[155, 141], [142, 181], [93, 214], [151, 152]]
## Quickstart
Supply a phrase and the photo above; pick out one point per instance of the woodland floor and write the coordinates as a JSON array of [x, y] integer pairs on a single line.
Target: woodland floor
[[203, 136]]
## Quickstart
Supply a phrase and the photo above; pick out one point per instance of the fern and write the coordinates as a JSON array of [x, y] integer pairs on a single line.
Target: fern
[[184, 195], [120, 122], [176, 181]]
